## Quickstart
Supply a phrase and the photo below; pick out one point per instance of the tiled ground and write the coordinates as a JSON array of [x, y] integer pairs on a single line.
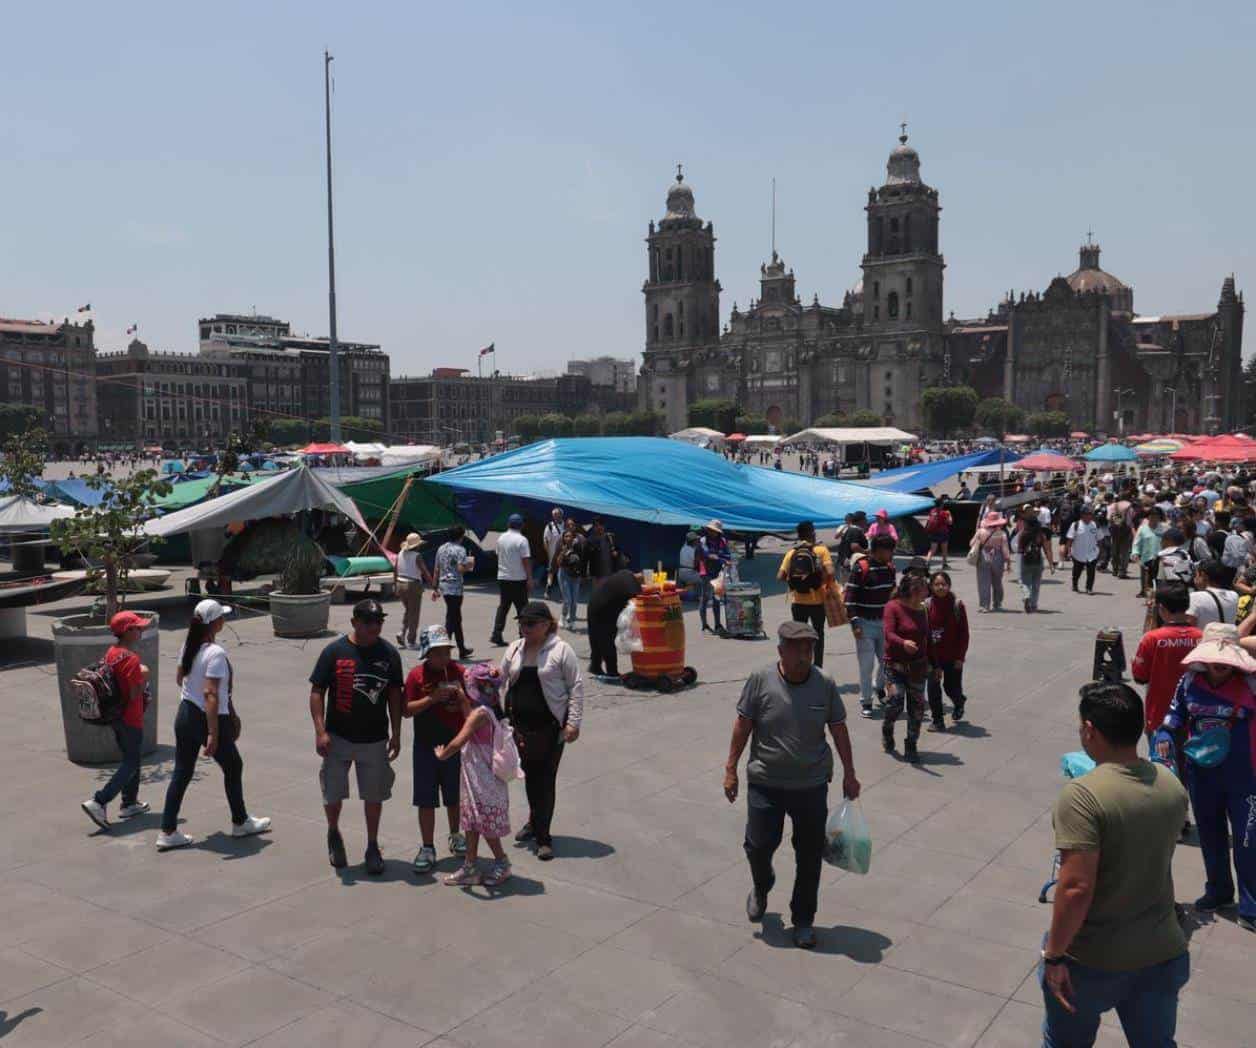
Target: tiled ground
[[634, 937]]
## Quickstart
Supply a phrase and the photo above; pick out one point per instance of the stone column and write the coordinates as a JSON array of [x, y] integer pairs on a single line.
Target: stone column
[[1009, 358]]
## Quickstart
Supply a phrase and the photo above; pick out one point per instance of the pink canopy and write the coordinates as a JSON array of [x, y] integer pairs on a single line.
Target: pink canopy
[[325, 449], [1047, 462]]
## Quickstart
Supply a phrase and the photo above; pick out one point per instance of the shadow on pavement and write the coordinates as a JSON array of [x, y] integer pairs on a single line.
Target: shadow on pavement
[[234, 847], [859, 944], [9, 1023]]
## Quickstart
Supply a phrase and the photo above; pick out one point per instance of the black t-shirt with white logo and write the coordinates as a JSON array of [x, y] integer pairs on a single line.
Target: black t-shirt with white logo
[[357, 682]]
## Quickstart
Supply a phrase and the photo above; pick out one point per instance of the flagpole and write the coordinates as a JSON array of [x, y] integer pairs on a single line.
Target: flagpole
[[333, 356]]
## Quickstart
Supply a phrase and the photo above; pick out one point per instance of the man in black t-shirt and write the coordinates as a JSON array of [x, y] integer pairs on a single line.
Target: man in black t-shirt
[[355, 703], [607, 601]]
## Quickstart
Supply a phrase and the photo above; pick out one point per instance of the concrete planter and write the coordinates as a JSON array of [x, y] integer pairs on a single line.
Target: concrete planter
[[299, 614], [78, 641]]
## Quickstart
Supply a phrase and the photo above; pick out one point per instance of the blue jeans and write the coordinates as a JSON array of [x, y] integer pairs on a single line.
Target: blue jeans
[[870, 651], [1031, 580], [569, 587], [1145, 1000], [708, 597], [126, 779]]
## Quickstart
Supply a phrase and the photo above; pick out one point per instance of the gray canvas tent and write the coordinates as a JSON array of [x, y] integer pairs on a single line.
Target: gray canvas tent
[[20, 514]]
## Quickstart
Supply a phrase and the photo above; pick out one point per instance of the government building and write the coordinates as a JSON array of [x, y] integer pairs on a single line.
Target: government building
[[1077, 347]]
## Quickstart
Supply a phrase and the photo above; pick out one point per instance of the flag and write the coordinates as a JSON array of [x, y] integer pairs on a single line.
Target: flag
[[490, 348], [132, 329], [85, 309]]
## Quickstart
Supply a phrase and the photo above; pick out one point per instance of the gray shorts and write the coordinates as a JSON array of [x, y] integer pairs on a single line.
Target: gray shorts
[[369, 759]]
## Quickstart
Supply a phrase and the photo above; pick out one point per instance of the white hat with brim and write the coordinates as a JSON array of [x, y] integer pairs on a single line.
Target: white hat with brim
[[413, 541], [1220, 647], [715, 525]]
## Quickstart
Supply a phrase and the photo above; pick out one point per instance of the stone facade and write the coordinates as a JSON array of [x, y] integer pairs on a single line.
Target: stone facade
[[51, 367], [1077, 347]]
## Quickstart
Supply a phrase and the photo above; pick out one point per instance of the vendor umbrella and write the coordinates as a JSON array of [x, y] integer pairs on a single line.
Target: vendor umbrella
[[1111, 453], [326, 449], [1047, 462], [1157, 447], [1078, 435], [736, 437]]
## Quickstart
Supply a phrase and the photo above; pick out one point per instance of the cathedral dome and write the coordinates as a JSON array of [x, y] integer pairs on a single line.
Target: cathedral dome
[[903, 167], [1089, 277], [679, 198]]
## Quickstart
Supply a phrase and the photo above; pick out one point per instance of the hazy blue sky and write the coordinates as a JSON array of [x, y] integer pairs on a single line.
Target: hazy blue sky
[[497, 163]]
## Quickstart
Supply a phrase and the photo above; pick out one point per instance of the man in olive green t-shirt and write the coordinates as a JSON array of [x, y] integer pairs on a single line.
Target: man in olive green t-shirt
[[1115, 941]]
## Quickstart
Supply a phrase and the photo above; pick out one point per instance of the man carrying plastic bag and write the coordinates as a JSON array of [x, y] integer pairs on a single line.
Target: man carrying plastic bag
[[783, 713]]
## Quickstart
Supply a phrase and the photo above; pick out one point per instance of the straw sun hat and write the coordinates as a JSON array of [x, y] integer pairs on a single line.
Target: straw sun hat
[[1220, 647]]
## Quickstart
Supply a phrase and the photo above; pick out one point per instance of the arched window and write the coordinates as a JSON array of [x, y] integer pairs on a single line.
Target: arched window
[[893, 249], [667, 325], [908, 311], [909, 287], [876, 289], [907, 233], [891, 306], [667, 264]]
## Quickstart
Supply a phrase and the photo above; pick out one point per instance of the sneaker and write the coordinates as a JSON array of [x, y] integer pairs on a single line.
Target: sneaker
[[464, 655], [525, 833], [805, 937], [336, 850], [466, 876], [1248, 924], [545, 852], [958, 713], [1209, 903], [909, 751], [936, 726], [457, 844], [865, 711], [497, 640], [425, 860], [96, 812], [881, 697], [756, 906], [129, 811], [251, 826], [166, 841], [497, 874], [373, 860]]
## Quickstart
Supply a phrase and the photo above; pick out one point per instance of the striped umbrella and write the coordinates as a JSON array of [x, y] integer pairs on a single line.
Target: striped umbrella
[[1157, 447]]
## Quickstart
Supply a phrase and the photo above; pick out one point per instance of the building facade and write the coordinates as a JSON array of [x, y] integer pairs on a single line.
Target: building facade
[[51, 367], [609, 372], [1077, 347]]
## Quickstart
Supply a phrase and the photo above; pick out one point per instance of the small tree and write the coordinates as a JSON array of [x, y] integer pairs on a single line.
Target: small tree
[[788, 426], [289, 431], [713, 414], [865, 419], [527, 427], [751, 425], [587, 426], [23, 463], [644, 423], [18, 418], [113, 530], [948, 408], [997, 417], [617, 424], [555, 425], [1048, 424], [833, 420]]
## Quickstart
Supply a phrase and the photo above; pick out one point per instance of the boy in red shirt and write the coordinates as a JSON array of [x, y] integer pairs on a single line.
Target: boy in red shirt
[[131, 679]]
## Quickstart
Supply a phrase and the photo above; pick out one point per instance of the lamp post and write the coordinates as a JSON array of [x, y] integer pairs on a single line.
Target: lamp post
[[1121, 394]]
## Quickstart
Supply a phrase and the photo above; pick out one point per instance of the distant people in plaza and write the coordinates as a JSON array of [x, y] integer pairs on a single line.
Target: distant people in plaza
[[206, 718], [948, 645], [1081, 545], [514, 574], [868, 590], [605, 604], [783, 713], [1174, 560], [571, 565], [130, 678], [551, 537], [356, 707], [410, 575], [1213, 600], [994, 560], [908, 659], [1114, 941], [452, 563], [433, 700], [938, 530], [882, 526], [807, 570], [965, 493], [1215, 704], [485, 808], [714, 555], [545, 704], [1033, 543], [687, 563], [1121, 535], [1147, 549], [850, 536]]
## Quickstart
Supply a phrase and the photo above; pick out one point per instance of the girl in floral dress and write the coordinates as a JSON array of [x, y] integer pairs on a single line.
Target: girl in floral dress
[[485, 808]]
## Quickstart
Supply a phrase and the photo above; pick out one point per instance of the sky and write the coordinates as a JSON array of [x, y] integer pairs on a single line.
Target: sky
[[497, 164]]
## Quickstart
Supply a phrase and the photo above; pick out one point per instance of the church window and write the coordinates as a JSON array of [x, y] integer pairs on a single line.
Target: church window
[[876, 312], [909, 287], [667, 325], [680, 263], [876, 289], [891, 305], [907, 234], [908, 311], [893, 236]]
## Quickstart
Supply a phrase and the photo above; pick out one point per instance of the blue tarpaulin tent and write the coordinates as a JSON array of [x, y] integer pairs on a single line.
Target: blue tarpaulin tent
[[77, 490], [926, 474]]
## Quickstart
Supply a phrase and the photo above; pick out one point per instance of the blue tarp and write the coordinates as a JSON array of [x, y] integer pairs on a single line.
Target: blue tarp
[[926, 474], [658, 481], [1111, 453], [76, 490]]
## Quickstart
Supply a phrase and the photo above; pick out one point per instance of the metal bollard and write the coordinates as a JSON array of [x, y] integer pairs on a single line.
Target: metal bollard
[[1109, 656]]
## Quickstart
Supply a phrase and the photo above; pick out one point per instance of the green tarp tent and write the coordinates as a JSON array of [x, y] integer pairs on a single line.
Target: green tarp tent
[[190, 492], [427, 507]]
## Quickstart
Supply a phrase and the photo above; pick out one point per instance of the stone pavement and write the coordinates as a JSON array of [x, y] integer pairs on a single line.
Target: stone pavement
[[633, 937]]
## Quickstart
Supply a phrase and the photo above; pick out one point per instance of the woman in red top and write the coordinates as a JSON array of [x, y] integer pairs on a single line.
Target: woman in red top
[[948, 647], [130, 677], [906, 627], [938, 528]]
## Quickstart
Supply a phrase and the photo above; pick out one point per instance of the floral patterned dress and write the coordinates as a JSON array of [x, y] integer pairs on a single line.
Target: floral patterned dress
[[485, 801]]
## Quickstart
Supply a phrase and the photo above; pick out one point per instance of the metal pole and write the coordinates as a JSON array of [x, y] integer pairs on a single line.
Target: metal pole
[[333, 357]]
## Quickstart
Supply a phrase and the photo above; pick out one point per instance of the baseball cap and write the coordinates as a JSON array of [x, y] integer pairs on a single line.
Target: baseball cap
[[127, 620], [433, 637], [369, 609], [797, 631], [536, 610], [515, 520], [208, 611]]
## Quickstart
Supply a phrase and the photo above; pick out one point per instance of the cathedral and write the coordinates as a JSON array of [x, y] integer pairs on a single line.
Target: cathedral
[[1076, 347]]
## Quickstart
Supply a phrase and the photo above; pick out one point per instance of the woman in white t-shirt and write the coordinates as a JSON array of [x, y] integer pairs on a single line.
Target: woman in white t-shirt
[[206, 718]]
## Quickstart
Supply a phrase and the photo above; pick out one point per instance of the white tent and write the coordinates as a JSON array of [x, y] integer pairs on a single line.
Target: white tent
[[883, 435], [701, 436], [760, 441], [288, 492], [410, 455], [18, 513], [365, 451]]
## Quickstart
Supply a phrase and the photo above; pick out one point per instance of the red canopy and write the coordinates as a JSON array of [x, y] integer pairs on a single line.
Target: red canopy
[[325, 449], [1220, 450], [736, 436], [1047, 462], [1078, 435]]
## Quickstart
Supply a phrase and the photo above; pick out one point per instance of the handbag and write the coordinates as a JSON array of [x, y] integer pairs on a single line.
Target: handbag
[[835, 613], [233, 717], [974, 551], [1209, 748]]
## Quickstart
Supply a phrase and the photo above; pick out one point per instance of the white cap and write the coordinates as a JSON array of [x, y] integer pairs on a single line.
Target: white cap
[[209, 610]]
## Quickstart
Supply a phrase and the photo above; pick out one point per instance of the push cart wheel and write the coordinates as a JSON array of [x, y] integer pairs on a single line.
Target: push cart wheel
[[688, 675], [633, 681], [665, 684]]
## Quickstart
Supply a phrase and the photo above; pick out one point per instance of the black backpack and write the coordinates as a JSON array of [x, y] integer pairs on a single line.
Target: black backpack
[[96, 690], [1031, 546], [573, 559], [804, 570]]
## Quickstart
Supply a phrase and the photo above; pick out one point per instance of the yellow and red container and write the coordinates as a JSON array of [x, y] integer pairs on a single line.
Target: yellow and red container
[[662, 624]]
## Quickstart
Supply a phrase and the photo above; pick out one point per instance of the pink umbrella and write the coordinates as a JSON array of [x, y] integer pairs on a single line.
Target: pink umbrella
[[1047, 462]]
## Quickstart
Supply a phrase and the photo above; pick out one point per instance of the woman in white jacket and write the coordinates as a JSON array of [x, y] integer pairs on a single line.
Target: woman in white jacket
[[545, 704]]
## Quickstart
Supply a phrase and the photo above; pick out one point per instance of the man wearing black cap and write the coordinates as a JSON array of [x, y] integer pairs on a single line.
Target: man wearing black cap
[[358, 724], [783, 713]]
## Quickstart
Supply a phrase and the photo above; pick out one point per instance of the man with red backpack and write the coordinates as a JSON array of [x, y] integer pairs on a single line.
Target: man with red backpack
[[130, 679], [807, 570]]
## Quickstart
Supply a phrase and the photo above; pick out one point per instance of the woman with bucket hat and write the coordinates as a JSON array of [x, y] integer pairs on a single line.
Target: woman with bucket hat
[[411, 573], [1215, 702], [992, 557]]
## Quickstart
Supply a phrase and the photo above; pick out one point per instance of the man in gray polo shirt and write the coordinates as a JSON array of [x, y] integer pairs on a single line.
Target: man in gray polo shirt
[[783, 713]]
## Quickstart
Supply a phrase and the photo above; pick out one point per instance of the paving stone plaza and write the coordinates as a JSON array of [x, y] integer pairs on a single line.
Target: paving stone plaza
[[633, 937]]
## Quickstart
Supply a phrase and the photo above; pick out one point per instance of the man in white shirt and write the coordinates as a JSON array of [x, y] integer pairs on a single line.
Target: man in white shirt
[[1213, 600], [514, 570], [1082, 544], [687, 573], [410, 573], [1044, 518], [551, 539]]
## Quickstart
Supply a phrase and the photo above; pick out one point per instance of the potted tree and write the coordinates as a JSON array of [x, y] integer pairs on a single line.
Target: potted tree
[[299, 606], [108, 534]]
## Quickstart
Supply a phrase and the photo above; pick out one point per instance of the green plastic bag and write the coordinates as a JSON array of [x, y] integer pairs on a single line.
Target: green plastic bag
[[847, 843]]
